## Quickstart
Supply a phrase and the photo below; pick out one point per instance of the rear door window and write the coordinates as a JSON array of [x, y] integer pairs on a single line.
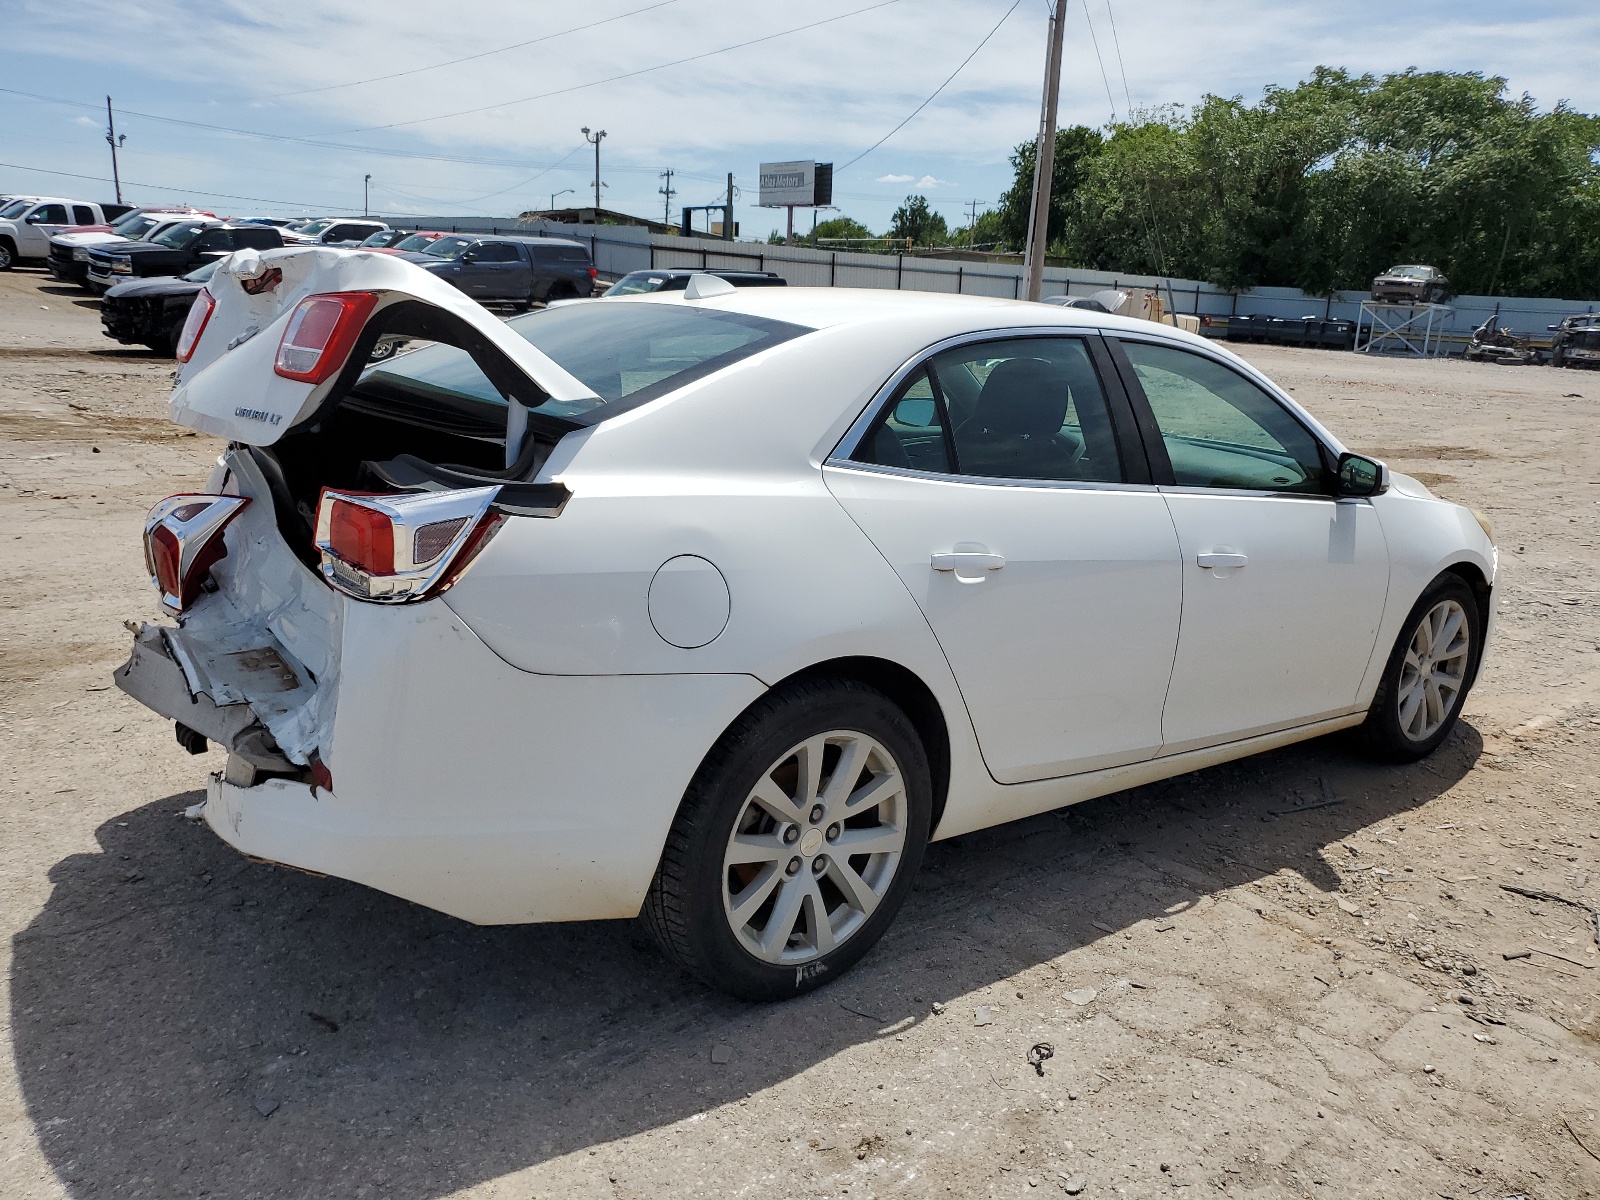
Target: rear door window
[[82, 214], [1019, 408]]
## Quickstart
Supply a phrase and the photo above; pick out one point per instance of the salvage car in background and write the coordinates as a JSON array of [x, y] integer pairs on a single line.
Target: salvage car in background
[[28, 222], [1576, 341], [69, 252], [333, 231], [1411, 284], [177, 251], [675, 279], [523, 271], [719, 604], [151, 312]]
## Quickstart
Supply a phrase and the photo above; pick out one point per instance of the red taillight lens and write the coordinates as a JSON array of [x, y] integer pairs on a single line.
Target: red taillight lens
[[165, 555], [363, 537], [183, 541], [320, 334], [404, 546], [593, 274], [195, 324]]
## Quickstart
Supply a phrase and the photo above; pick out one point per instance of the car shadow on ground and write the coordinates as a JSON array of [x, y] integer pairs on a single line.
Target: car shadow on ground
[[171, 993]]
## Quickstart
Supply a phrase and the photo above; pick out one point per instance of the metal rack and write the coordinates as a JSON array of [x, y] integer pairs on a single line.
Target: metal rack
[[1416, 330]]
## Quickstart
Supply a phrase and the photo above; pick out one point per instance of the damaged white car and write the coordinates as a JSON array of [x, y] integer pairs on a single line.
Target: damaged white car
[[719, 605]]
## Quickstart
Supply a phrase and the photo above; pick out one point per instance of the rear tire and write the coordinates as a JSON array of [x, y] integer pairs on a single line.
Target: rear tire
[[760, 892], [8, 254], [1429, 672]]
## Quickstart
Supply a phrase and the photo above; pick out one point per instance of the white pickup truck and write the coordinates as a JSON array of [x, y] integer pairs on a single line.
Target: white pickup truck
[[26, 223]]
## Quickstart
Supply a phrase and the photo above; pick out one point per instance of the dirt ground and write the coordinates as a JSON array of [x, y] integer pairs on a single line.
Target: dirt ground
[[1338, 1002]]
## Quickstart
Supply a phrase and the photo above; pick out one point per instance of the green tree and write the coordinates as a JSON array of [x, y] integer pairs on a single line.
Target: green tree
[[1076, 147], [1325, 184], [915, 220], [839, 227], [986, 233]]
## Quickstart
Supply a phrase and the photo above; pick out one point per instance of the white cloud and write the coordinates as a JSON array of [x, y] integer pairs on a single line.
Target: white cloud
[[828, 93]]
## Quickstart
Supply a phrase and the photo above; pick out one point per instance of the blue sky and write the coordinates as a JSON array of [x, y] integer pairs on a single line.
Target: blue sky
[[311, 79]]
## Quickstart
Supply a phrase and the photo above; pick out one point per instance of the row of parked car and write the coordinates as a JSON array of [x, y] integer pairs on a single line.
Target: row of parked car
[[148, 263]]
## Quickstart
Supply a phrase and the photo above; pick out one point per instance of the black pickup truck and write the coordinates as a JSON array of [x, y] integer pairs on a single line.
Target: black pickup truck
[[178, 251], [510, 270]]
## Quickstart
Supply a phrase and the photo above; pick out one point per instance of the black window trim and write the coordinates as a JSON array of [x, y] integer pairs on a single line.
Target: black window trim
[[1136, 469], [1155, 446]]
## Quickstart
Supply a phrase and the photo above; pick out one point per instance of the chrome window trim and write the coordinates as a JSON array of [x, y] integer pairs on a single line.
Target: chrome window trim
[[851, 441], [1074, 485]]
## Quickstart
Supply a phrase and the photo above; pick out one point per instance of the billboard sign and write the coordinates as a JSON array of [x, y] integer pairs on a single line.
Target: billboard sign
[[801, 184]]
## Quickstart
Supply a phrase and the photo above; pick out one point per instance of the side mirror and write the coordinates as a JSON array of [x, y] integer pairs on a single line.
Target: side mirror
[[468, 256], [1360, 476], [914, 411], [34, 218]]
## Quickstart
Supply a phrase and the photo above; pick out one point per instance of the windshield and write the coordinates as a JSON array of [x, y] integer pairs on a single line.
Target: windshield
[[447, 247], [131, 221], [1409, 272], [15, 209], [622, 352], [178, 236], [379, 239], [417, 241], [202, 274], [314, 228], [636, 284]]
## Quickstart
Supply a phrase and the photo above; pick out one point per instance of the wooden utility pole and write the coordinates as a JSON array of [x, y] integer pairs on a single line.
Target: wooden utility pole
[[1044, 157], [115, 143], [669, 192]]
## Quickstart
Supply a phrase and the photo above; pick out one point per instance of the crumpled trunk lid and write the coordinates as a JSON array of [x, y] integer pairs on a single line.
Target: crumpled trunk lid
[[229, 388]]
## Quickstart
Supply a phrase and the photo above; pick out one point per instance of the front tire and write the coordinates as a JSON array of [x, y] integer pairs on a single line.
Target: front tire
[[796, 842], [8, 254], [1429, 673]]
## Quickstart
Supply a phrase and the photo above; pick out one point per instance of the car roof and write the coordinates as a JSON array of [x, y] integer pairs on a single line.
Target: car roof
[[519, 237]]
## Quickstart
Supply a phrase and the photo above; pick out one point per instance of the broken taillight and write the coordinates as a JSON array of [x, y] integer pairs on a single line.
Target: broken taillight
[[194, 325], [394, 548], [183, 541], [321, 333]]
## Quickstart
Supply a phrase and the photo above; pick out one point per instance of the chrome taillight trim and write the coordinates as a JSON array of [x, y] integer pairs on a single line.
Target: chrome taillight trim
[[193, 534], [407, 513]]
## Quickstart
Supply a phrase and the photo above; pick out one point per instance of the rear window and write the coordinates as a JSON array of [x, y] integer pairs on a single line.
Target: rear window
[[626, 353], [636, 284]]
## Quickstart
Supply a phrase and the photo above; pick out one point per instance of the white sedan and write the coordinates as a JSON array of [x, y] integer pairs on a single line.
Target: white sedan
[[719, 605]]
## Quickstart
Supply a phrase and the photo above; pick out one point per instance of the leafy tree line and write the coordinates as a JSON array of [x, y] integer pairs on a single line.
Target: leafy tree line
[[1324, 185], [1320, 186]]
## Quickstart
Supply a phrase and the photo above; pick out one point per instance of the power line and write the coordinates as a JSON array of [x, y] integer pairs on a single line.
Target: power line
[[936, 90], [164, 187], [329, 87], [1095, 42], [514, 164], [677, 62], [1115, 41]]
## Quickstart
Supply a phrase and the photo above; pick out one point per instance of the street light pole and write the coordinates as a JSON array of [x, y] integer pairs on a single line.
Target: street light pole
[[553, 195], [1044, 157], [595, 142], [366, 202], [115, 142]]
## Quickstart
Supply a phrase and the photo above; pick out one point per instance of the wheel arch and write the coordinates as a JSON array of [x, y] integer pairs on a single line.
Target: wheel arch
[[913, 697], [1482, 591]]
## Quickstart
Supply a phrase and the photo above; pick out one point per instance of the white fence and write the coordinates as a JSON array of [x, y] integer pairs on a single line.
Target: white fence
[[618, 249]]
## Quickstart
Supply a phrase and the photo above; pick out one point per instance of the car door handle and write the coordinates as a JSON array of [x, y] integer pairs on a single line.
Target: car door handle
[[969, 566], [1220, 559]]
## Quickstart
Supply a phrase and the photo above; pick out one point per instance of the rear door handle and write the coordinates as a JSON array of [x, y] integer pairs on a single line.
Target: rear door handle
[[1220, 559], [969, 566]]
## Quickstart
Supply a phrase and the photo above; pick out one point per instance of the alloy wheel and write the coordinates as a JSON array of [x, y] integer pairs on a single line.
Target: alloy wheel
[[1435, 670], [815, 847]]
